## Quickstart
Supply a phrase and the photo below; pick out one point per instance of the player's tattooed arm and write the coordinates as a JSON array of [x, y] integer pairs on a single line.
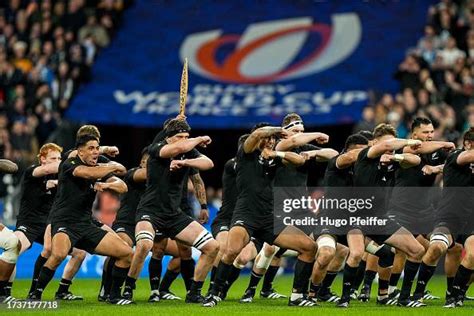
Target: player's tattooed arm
[[321, 155], [200, 191], [300, 139], [7, 166], [113, 183], [382, 147], [251, 143], [429, 147], [183, 146]]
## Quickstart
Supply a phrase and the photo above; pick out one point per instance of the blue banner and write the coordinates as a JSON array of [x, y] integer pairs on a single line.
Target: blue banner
[[249, 61]]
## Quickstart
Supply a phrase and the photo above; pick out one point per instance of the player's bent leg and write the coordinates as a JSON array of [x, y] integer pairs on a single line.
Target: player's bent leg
[[42, 257], [403, 240], [70, 270], [187, 264], [293, 238], [11, 248], [60, 247], [324, 256]]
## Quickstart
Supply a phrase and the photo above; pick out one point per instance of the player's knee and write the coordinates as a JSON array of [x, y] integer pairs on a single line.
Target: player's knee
[[356, 255], [418, 252], [436, 250], [232, 252], [325, 255], [211, 249], [269, 250], [308, 248], [9, 242], [80, 255], [55, 259], [342, 253], [46, 252], [143, 248]]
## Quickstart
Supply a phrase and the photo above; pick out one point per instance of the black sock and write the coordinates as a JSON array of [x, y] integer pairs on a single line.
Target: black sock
[[168, 278], [449, 284], [347, 280], [222, 274], [411, 268], [359, 275], [314, 289], [327, 282], [130, 282], [302, 275], [108, 276], [460, 280], [269, 278], [394, 277], [233, 276], [3, 285], [254, 279], [118, 278], [196, 287], [213, 276], [383, 287], [425, 274], [40, 261], [369, 277], [187, 271], [44, 278], [64, 285], [154, 272], [8, 288]]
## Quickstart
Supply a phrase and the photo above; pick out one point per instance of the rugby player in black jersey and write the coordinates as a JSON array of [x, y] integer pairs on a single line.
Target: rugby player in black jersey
[[253, 214], [124, 224], [287, 176], [158, 210], [39, 185], [453, 219], [71, 224], [411, 203], [338, 174], [375, 168], [9, 243]]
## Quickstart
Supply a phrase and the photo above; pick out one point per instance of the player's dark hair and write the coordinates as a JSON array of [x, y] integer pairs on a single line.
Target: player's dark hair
[[367, 134], [176, 126], [418, 121], [384, 129], [145, 151], [355, 139], [88, 130], [84, 139], [259, 125], [469, 135]]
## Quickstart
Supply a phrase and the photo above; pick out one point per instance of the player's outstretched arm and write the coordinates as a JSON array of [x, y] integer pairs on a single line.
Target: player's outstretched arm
[[99, 171], [42, 171], [183, 146], [114, 184], [347, 159], [300, 139], [429, 147], [405, 160], [253, 140], [321, 155], [200, 163], [382, 147], [8, 166]]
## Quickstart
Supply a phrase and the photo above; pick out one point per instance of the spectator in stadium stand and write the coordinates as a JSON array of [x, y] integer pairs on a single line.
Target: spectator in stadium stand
[[367, 122], [430, 35], [62, 88], [450, 54], [407, 73], [98, 32]]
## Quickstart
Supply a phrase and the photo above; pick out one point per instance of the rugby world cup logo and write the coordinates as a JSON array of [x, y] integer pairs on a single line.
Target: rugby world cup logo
[[271, 51]]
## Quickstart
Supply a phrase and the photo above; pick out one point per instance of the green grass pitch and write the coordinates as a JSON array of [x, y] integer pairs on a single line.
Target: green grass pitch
[[91, 307]]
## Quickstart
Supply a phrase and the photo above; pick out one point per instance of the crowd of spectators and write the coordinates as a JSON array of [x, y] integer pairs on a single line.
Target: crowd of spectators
[[436, 77], [47, 48]]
